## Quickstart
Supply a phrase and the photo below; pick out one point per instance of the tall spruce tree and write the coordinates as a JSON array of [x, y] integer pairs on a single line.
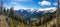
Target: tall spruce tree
[[4, 10], [11, 14], [7, 11], [1, 8]]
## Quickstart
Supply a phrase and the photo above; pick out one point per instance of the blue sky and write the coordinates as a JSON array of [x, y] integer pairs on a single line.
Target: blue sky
[[26, 4]]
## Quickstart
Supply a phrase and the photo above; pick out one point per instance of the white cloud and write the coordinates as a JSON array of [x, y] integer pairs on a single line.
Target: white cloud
[[47, 9], [16, 5], [55, 4], [43, 3]]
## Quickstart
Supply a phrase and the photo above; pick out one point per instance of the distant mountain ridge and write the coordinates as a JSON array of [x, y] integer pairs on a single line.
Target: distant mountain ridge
[[34, 13]]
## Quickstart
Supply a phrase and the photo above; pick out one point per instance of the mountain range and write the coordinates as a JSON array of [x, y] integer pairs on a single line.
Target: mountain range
[[34, 13]]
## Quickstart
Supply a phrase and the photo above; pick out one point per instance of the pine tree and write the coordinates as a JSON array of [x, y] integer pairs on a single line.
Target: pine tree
[[7, 11], [11, 14], [4, 11], [1, 8]]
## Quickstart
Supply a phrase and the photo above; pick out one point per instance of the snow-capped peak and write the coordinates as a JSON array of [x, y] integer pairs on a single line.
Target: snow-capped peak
[[51, 9]]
